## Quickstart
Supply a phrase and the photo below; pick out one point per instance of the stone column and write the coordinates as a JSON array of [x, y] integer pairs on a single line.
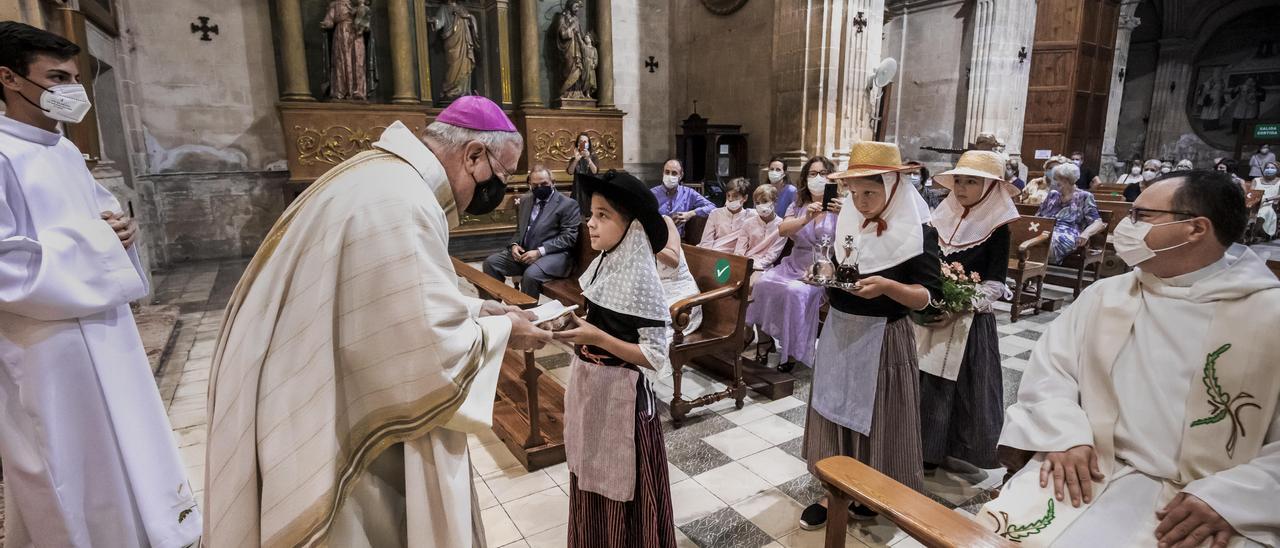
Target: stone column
[[499, 13], [824, 53], [1107, 168], [604, 45], [402, 74], [1168, 120], [998, 79], [530, 68], [293, 55]]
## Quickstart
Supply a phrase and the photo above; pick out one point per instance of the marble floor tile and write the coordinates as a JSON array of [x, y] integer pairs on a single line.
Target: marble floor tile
[[794, 447], [782, 404], [540, 511], [747, 414], [1016, 364], [695, 457], [774, 429], [491, 458], [737, 443], [561, 375], [1012, 379], [499, 530], [797, 415], [516, 482], [481, 438], [557, 537], [772, 511], [732, 482], [876, 533], [775, 466], [484, 496], [726, 528], [517, 544], [558, 473], [683, 541], [815, 539], [691, 501], [675, 475], [805, 490]]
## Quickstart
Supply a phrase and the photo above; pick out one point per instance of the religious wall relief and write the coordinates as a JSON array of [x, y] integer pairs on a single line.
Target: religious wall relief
[[350, 66], [557, 146], [578, 58], [1236, 80], [459, 37]]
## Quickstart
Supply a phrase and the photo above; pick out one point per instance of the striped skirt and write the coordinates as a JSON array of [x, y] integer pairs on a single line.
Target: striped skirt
[[646, 520], [962, 419], [893, 447]]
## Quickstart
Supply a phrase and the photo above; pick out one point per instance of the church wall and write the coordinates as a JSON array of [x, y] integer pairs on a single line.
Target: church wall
[[1139, 83], [640, 30], [724, 63], [202, 117], [927, 107]]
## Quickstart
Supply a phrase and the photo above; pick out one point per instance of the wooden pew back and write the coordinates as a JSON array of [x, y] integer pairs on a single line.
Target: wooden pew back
[[1028, 210], [1023, 230], [727, 316], [1119, 210]]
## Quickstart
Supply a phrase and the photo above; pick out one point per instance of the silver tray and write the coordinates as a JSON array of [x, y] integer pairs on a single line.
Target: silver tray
[[832, 284]]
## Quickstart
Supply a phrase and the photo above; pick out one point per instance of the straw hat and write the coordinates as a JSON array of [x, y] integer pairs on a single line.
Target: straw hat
[[983, 164], [869, 158]]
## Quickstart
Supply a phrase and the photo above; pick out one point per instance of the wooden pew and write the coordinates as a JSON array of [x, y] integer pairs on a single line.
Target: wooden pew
[[1274, 265], [528, 415], [1027, 210], [1028, 262], [1111, 264], [919, 516]]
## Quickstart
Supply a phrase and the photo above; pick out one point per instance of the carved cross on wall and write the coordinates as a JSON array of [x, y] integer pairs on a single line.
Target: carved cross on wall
[[204, 29], [651, 64], [860, 21]]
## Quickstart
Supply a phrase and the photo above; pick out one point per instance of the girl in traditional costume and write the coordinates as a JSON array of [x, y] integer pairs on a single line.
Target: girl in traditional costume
[[961, 387], [618, 490], [865, 401]]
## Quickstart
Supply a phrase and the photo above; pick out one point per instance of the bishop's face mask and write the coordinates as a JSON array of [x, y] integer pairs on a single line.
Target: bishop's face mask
[[64, 103], [488, 193]]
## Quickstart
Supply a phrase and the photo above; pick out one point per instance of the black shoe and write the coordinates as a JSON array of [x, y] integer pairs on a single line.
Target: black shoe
[[813, 517], [787, 366], [930, 469], [861, 513]]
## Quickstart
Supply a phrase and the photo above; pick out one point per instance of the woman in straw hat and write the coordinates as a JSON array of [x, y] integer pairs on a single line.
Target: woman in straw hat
[[961, 389], [865, 400], [618, 489]]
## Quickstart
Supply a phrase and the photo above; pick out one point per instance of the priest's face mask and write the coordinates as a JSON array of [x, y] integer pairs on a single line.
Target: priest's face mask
[[607, 225], [490, 176], [869, 196], [1159, 235]]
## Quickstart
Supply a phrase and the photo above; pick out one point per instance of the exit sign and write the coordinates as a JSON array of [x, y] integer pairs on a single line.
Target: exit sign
[[1266, 131]]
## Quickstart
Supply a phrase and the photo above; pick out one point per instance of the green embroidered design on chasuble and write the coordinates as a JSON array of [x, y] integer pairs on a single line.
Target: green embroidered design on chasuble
[[1015, 532], [1224, 406]]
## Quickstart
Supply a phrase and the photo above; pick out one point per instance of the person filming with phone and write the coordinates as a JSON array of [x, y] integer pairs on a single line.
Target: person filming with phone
[[583, 162]]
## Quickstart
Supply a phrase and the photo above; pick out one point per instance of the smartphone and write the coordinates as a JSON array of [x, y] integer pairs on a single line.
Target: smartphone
[[831, 192]]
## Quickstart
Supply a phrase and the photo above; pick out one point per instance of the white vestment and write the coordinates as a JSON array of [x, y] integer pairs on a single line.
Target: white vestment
[[89, 455], [1159, 364], [350, 368]]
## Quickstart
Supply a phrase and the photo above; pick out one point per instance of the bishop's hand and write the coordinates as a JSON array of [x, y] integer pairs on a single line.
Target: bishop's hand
[[126, 228]]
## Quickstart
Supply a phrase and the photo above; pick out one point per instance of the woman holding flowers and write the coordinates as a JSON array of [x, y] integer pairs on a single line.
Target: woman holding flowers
[[865, 401], [961, 389]]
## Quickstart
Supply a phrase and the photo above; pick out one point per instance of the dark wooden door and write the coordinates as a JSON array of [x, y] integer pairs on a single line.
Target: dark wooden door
[[1070, 78]]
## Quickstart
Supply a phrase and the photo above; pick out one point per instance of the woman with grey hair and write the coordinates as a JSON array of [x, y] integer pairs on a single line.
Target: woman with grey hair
[[1150, 170], [1075, 209]]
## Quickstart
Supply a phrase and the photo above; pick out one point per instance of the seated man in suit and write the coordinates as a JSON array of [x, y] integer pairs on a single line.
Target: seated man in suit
[[546, 233]]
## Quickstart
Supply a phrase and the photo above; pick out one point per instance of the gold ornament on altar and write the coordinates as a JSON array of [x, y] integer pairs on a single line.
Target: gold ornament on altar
[[334, 144], [558, 145]]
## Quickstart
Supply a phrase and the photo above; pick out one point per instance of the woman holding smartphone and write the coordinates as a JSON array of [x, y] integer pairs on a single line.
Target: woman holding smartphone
[[584, 162]]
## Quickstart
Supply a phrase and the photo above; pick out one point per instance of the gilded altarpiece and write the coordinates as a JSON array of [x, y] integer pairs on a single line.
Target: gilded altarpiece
[[408, 66]]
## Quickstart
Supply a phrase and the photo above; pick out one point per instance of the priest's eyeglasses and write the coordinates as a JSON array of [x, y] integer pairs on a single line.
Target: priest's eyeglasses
[[1141, 213]]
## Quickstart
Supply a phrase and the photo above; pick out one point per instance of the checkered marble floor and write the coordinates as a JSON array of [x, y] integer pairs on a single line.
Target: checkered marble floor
[[737, 479]]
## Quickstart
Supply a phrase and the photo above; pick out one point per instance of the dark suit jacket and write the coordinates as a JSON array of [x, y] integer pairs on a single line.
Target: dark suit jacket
[[555, 230]]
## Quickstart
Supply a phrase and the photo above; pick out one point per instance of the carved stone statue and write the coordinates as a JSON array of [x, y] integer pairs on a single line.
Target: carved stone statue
[[572, 43], [457, 29], [347, 24], [590, 60]]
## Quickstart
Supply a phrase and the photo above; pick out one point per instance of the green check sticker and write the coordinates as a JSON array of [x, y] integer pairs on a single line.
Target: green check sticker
[[722, 270]]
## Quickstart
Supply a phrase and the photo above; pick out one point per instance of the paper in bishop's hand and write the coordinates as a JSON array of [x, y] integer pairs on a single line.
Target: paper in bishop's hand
[[550, 311]]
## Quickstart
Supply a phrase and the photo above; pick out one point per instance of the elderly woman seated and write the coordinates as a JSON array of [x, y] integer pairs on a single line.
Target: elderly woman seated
[[1075, 210]]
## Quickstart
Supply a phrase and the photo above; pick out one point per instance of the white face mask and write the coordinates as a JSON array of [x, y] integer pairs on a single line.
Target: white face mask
[[64, 103], [816, 186], [1148, 175], [1077, 162], [1130, 241], [1165, 169], [775, 176], [734, 205], [1269, 172], [914, 178], [670, 181], [765, 210], [1135, 170]]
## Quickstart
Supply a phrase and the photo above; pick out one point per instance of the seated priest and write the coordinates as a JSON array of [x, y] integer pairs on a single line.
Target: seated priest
[[1148, 412], [678, 201], [546, 233], [728, 227]]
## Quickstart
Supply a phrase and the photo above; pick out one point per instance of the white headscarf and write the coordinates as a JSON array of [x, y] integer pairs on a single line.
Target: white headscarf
[[900, 235], [625, 278], [961, 228]]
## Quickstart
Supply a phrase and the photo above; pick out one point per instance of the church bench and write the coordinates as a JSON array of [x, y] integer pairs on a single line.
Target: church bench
[[932, 524], [1028, 210], [528, 414], [693, 229], [1028, 263], [1274, 265]]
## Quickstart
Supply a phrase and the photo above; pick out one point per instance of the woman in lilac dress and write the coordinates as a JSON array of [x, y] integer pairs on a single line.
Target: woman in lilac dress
[[1075, 210], [782, 306]]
